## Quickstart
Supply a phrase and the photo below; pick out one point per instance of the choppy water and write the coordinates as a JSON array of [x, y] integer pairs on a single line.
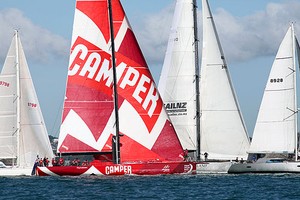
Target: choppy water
[[279, 186]]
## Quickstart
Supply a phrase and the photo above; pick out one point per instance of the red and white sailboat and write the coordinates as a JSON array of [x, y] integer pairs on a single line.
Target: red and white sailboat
[[112, 109]]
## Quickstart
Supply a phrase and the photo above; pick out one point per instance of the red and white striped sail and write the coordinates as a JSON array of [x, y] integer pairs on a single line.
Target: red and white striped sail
[[88, 117]]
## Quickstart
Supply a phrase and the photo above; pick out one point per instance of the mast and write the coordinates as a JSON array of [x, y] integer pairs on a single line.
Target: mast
[[18, 98], [197, 81], [295, 93], [116, 138]]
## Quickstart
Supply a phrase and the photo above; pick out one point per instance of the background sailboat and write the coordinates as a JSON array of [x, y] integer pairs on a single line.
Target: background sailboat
[[148, 142], [23, 134], [177, 83], [275, 134], [222, 132]]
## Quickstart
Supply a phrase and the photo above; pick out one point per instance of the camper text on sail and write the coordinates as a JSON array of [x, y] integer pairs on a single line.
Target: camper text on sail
[[96, 66]]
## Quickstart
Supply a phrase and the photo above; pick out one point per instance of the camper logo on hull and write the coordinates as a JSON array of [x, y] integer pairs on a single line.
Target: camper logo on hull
[[176, 108], [118, 169]]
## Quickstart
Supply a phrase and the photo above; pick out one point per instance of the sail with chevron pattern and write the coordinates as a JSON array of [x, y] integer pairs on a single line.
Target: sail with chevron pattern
[[88, 120]]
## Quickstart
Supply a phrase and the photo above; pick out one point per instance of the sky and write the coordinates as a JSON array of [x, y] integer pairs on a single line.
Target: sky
[[250, 32]]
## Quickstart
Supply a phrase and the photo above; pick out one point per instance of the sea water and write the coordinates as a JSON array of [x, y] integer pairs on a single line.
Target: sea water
[[206, 186]]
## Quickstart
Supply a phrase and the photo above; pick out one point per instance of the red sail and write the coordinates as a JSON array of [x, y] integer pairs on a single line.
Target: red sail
[[88, 116]]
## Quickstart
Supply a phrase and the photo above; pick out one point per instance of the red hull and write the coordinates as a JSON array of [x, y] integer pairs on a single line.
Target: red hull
[[106, 168]]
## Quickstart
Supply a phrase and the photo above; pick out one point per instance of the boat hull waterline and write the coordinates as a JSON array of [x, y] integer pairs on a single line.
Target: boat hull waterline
[[15, 171], [284, 167], [213, 167], [98, 168]]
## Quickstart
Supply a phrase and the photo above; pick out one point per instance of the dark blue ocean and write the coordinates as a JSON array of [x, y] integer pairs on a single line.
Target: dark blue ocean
[[278, 186]]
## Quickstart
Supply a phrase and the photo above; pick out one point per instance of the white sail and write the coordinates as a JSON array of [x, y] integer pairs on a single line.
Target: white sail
[[23, 135], [223, 132], [177, 80], [275, 130]]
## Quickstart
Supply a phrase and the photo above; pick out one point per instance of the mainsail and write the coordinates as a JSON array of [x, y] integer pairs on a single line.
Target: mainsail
[[223, 132], [276, 126], [23, 135], [88, 116], [178, 77]]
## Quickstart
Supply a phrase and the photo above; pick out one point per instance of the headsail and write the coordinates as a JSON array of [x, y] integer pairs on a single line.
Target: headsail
[[177, 80], [88, 115], [23, 135], [223, 132], [275, 127]]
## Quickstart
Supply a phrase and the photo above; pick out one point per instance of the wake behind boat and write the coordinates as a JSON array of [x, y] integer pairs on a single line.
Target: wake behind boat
[[23, 135], [204, 110], [274, 147], [112, 109]]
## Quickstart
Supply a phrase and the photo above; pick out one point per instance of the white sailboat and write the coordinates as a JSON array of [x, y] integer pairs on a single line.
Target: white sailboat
[[274, 142], [23, 135], [207, 122], [223, 132]]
